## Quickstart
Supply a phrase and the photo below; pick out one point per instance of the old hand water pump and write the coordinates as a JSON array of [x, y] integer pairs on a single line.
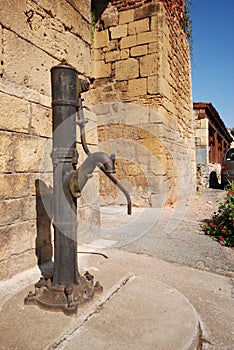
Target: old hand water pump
[[66, 289]]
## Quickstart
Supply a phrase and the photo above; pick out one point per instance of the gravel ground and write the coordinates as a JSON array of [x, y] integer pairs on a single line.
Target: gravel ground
[[177, 236]]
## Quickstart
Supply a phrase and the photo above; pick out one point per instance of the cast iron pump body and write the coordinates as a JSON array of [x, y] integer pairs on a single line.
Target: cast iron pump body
[[66, 290]]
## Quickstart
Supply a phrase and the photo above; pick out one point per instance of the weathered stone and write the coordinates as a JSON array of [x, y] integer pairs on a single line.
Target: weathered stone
[[139, 51], [146, 38], [14, 185], [36, 63], [101, 39], [136, 115], [138, 26], [110, 17], [14, 113], [102, 69], [154, 47], [1, 51], [158, 85], [126, 69], [6, 152], [119, 31], [128, 41], [83, 7], [16, 263], [17, 238], [112, 56], [148, 10], [126, 16], [149, 65], [44, 33], [17, 210], [41, 120], [137, 87], [98, 54], [124, 54], [31, 154]]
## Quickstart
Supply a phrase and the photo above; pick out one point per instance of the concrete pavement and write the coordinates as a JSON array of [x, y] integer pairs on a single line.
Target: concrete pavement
[[152, 299]]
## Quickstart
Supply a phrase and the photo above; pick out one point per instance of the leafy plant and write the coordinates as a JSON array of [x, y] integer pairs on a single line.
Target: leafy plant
[[221, 226]]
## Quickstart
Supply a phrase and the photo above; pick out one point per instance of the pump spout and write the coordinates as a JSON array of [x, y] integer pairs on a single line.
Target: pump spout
[[78, 179], [80, 176]]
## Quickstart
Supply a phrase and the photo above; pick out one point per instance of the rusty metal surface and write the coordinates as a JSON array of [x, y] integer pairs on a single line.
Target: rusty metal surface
[[67, 299]]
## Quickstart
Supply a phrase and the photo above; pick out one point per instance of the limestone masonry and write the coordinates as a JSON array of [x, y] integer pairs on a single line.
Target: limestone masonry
[[34, 36], [141, 99]]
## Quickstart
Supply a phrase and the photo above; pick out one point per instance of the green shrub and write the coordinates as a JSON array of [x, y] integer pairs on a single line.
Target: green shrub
[[221, 226]]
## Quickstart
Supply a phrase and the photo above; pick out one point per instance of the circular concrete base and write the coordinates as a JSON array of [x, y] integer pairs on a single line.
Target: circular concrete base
[[143, 314]]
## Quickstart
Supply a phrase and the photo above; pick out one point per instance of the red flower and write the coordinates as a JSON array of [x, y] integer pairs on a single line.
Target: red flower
[[223, 230], [207, 223], [229, 192], [222, 239]]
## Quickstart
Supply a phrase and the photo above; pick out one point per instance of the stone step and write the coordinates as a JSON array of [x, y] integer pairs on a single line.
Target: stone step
[[143, 314]]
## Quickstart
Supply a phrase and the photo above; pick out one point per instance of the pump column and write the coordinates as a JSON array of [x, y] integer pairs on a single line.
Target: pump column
[[64, 157]]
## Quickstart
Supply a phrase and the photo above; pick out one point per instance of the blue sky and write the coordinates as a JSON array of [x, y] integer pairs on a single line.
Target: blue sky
[[213, 55]]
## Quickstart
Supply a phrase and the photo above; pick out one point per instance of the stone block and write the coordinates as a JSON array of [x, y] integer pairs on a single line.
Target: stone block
[[77, 22], [154, 23], [136, 115], [119, 31], [32, 154], [154, 47], [41, 120], [49, 28], [112, 45], [17, 238], [17, 210], [1, 51], [112, 56], [158, 85], [148, 10], [63, 16], [101, 39], [149, 65], [24, 261], [138, 26], [36, 63], [102, 69], [14, 113], [79, 58], [146, 38], [127, 69], [121, 86], [14, 185], [141, 50], [137, 87], [110, 17], [98, 54], [6, 152], [128, 41], [126, 16], [83, 7], [124, 54]]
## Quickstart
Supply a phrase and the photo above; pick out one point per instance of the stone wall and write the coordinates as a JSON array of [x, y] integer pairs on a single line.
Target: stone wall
[[34, 36], [142, 97]]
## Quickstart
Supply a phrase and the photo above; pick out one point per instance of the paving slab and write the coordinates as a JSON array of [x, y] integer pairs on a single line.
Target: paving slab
[[141, 294], [145, 313]]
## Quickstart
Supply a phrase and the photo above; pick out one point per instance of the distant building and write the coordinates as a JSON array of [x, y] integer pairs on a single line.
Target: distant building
[[212, 139]]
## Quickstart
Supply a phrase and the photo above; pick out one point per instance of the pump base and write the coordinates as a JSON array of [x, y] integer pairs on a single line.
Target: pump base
[[63, 298]]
